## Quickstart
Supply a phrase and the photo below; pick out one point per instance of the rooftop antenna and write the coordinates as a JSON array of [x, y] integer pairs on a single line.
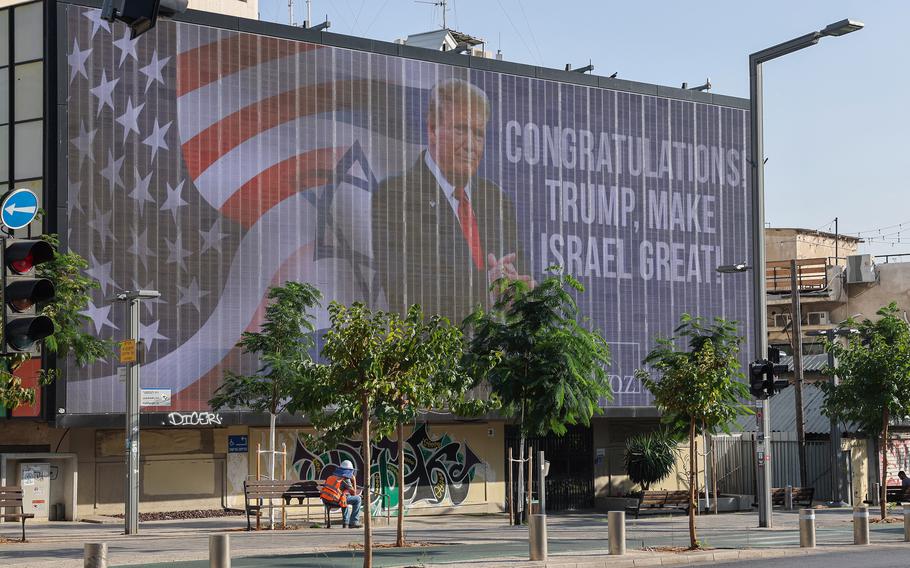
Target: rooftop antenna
[[309, 15], [438, 3], [290, 12]]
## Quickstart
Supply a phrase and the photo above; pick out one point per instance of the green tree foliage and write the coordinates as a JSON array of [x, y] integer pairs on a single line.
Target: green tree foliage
[[381, 370], [72, 295], [542, 365], [283, 347], [699, 385], [650, 457], [874, 371]]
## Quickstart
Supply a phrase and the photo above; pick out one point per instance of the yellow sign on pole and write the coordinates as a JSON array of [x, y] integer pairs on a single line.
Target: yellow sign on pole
[[128, 351]]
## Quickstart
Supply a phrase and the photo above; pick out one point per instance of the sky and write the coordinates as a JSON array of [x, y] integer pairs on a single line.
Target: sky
[[834, 112]]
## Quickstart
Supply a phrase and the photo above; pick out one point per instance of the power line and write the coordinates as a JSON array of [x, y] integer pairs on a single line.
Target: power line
[[520, 36], [880, 229]]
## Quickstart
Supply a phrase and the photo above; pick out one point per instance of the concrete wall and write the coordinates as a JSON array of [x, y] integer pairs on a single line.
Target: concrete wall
[[892, 285], [242, 8], [784, 244]]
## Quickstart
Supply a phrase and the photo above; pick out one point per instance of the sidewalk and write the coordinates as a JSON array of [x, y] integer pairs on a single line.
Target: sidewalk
[[575, 541]]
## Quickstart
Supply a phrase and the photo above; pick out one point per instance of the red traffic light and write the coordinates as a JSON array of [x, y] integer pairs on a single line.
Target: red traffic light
[[22, 256]]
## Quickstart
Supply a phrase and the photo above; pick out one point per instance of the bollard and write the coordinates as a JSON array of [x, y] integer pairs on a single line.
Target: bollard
[[537, 536], [95, 555], [616, 532], [907, 524], [806, 528], [219, 551], [788, 497], [861, 525]]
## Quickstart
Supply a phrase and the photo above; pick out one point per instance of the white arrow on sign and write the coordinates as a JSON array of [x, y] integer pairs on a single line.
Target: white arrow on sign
[[15, 209]]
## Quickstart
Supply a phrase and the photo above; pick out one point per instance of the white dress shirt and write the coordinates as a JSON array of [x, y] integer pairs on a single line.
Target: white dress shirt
[[447, 187]]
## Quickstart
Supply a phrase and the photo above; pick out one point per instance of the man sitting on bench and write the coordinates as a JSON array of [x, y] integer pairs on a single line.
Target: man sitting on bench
[[340, 490]]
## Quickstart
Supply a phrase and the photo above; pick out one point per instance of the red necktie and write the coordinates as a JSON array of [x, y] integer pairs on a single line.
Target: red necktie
[[469, 227]]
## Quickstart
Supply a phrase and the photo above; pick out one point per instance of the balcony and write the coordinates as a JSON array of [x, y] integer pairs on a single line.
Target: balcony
[[818, 280]]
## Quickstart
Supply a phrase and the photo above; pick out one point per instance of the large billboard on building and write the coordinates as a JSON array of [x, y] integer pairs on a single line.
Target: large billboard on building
[[211, 164]]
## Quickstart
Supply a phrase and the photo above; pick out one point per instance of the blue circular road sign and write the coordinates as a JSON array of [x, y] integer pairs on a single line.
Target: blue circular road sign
[[19, 208]]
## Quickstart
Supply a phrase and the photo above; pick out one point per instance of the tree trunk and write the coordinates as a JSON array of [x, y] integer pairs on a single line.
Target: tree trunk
[[693, 478], [399, 541], [883, 490], [714, 471], [272, 418], [365, 499]]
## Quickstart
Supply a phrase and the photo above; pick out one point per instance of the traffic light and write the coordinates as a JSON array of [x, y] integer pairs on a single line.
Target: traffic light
[[23, 327], [140, 15], [757, 379]]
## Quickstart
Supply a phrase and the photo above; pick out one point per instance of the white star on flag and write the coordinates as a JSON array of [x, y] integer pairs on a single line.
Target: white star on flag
[[141, 189], [83, 143], [212, 238], [72, 197], [153, 70], [104, 92], [100, 272], [100, 316], [129, 119], [111, 171], [126, 46], [140, 248], [191, 294], [174, 201], [156, 139], [76, 60], [101, 223], [94, 16], [149, 333], [175, 251]]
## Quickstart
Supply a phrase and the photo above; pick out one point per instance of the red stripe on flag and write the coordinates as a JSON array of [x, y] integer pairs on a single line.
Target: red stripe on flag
[[208, 146], [208, 63], [277, 183]]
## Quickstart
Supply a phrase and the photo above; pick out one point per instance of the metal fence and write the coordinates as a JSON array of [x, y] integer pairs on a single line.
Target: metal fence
[[736, 465]]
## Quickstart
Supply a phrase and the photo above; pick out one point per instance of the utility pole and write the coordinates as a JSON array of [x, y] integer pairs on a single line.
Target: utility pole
[[796, 320], [133, 392]]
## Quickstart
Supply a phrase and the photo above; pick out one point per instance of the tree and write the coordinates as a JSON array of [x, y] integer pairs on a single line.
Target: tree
[[424, 371], [283, 347], [874, 372], [548, 370], [72, 295], [699, 386], [365, 353], [650, 457]]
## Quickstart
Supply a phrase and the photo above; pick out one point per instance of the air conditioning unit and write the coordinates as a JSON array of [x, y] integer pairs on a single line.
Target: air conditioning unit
[[781, 320], [818, 318], [860, 269]]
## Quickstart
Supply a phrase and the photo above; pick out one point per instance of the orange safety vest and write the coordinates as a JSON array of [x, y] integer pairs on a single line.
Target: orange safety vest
[[332, 492]]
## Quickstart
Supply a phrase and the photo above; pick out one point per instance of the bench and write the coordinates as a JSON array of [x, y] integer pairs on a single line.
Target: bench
[[259, 494], [894, 494], [661, 500], [11, 498], [801, 496]]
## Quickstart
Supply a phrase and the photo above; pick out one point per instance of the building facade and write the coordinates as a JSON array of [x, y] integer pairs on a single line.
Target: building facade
[[216, 156]]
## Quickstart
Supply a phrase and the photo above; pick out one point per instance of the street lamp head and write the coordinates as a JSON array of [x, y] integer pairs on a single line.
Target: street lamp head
[[842, 27], [732, 268]]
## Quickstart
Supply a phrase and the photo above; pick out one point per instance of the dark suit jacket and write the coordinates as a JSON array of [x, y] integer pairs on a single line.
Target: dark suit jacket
[[419, 251]]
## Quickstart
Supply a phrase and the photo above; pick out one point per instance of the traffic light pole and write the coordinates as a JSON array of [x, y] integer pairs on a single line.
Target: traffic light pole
[[133, 393], [759, 314]]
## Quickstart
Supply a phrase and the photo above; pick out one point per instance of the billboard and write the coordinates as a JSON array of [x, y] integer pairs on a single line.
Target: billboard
[[211, 164]]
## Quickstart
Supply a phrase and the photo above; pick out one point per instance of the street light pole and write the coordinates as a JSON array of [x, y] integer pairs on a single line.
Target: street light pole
[[133, 393], [759, 315]]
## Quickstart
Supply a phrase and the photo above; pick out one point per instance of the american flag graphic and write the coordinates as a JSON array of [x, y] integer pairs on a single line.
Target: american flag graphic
[[210, 165]]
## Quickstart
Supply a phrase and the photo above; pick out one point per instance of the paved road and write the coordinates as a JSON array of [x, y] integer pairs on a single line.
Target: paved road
[[868, 558], [460, 538]]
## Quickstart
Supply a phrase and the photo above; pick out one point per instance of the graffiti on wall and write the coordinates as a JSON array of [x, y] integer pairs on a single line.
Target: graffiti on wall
[[437, 471]]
